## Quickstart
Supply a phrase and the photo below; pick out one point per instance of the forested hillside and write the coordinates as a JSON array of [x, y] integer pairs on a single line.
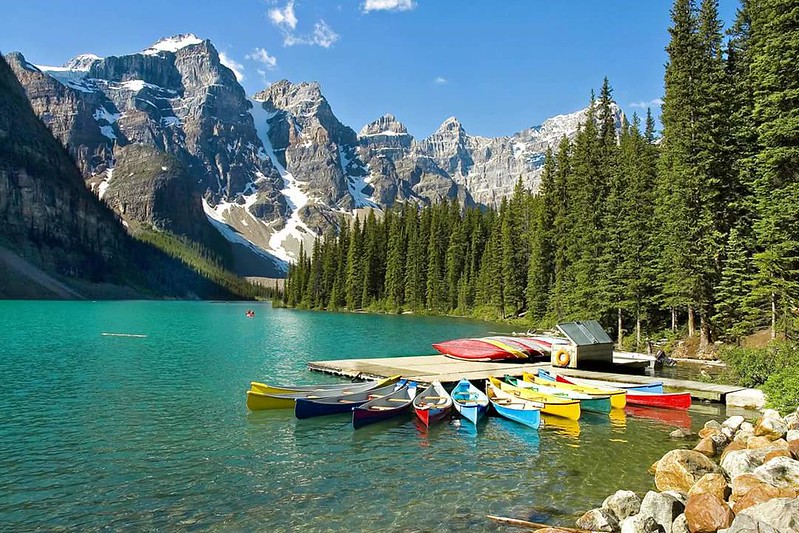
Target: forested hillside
[[698, 226]]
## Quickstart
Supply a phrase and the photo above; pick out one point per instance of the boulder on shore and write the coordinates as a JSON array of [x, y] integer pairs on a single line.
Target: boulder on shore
[[706, 513], [742, 462], [622, 503], [598, 520], [781, 514], [680, 469], [781, 472], [663, 508], [715, 484]]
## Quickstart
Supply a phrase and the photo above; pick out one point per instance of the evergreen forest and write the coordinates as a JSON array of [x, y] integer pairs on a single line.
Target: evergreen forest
[[694, 225]]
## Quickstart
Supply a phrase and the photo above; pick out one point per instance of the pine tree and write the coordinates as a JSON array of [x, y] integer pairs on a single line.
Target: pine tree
[[395, 264], [540, 271], [775, 81], [353, 288]]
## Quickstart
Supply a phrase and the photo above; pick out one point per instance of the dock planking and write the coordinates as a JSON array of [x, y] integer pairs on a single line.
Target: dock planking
[[428, 368]]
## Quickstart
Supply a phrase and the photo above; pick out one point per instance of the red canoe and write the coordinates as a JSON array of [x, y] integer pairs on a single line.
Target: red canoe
[[668, 400], [491, 348]]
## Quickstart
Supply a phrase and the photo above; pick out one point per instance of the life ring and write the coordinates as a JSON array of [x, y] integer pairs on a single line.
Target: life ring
[[562, 357]]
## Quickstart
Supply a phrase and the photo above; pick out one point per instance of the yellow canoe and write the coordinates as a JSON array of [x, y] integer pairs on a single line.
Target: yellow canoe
[[553, 405], [262, 396], [618, 397]]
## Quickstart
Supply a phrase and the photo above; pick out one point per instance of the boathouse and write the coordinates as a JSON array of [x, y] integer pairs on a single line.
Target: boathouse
[[585, 341]]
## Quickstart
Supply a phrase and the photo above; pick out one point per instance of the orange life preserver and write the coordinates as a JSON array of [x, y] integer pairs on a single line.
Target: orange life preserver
[[562, 357]]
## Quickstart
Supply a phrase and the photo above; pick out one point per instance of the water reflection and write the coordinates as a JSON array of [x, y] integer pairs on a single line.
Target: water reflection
[[671, 417], [562, 426]]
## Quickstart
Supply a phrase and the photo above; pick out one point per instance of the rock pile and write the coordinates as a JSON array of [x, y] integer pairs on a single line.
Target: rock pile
[[740, 477]]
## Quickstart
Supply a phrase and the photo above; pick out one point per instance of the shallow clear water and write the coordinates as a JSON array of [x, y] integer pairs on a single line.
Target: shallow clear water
[[102, 432]]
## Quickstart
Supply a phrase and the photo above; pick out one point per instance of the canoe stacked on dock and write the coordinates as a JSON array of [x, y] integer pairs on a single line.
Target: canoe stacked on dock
[[497, 348]]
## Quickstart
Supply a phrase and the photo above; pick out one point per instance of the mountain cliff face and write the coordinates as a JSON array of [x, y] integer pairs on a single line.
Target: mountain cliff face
[[270, 172], [57, 239]]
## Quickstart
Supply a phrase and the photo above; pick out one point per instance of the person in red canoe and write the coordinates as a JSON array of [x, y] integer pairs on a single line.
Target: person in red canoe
[[250, 313]]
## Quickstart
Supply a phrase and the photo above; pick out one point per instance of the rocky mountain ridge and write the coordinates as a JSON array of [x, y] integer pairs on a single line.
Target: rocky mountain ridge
[[271, 171]]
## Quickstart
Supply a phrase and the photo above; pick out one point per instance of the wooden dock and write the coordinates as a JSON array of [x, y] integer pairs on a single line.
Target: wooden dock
[[427, 368]]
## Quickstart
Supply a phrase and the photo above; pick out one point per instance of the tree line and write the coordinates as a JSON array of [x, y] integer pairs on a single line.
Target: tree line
[[643, 232]]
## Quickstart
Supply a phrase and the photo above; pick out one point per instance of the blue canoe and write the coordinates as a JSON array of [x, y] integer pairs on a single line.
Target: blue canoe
[[342, 403], [469, 401], [385, 407], [652, 388], [514, 408]]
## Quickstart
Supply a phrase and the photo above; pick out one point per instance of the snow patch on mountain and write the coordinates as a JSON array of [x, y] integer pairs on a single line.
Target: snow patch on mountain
[[173, 44], [294, 228], [358, 178]]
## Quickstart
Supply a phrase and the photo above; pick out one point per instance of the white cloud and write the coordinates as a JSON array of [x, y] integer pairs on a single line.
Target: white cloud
[[323, 35], [439, 80], [388, 5], [657, 102], [285, 18], [286, 21], [262, 56], [232, 64]]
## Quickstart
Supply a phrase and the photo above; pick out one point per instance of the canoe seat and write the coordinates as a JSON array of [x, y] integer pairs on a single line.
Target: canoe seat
[[375, 396], [432, 397], [397, 400], [381, 408], [346, 401]]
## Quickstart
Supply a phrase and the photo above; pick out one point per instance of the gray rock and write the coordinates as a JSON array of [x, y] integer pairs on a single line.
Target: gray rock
[[680, 433], [792, 420], [680, 525], [712, 424], [747, 426], [771, 413], [781, 472], [728, 432], [792, 435], [733, 422], [746, 524], [781, 514], [662, 507], [598, 520], [720, 440], [641, 524], [742, 462], [622, 504]]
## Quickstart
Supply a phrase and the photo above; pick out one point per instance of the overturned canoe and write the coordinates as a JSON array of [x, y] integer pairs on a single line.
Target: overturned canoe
[[496, 348]]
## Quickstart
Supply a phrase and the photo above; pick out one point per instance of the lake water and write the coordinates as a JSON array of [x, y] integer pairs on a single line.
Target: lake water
[[145, 433]]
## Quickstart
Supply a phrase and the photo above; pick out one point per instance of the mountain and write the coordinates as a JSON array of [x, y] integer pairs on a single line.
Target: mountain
[[269, 172], [58, 240]]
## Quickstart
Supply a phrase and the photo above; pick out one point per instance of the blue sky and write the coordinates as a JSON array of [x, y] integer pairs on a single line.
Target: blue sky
[[499, 66]]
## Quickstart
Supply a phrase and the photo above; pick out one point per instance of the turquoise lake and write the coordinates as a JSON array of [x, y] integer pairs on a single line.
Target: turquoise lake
[[152, 433]]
